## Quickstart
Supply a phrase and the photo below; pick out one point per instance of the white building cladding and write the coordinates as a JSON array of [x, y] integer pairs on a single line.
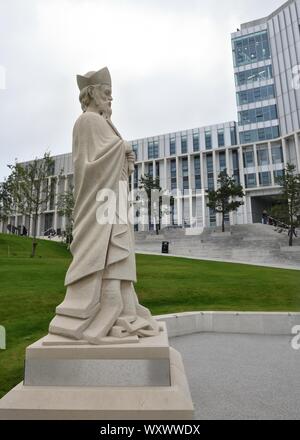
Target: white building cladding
[[265, 52]]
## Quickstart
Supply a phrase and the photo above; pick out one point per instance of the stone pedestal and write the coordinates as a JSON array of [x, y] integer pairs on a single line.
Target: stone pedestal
[[144, 380]]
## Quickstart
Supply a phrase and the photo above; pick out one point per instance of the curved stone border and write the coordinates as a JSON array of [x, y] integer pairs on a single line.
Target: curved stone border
[[179, 324]]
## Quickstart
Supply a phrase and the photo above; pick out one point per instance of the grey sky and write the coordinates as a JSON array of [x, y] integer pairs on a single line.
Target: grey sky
[[170, 62]]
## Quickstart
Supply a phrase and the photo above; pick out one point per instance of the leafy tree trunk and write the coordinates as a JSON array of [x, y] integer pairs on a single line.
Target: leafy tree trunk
[[34, 242], [223, 221]]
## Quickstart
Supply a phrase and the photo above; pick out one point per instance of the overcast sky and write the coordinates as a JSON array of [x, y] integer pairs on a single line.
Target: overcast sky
[[170, 62]]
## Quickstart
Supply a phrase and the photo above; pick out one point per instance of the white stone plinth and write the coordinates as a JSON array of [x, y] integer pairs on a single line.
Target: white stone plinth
[[167, 397]]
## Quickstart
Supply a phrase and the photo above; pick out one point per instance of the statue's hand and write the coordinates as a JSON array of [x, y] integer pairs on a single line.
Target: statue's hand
[[128, 148]]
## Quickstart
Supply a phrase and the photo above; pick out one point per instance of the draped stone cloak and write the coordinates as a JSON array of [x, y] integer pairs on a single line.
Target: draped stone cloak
[[99, 162]]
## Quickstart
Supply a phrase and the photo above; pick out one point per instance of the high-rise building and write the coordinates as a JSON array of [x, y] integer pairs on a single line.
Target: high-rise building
[[266, 57]]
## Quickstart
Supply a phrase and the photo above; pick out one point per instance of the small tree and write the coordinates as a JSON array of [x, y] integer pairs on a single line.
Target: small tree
[[288, 208], [223, 200], [155, 195], [28, 187], [65, 207], [6, 202]]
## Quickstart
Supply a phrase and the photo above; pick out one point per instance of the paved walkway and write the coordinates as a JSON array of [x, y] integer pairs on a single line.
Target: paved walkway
[[235, 376], [277, 266]]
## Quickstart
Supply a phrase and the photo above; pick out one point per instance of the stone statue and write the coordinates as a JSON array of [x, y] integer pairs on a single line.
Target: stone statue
[[101, 305]]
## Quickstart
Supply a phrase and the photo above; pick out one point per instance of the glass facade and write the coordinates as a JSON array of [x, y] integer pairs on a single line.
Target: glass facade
[[248, 156], [208, 142], [210, 172], [253, 75], [263, 155], [173, 174], [236, 165], [150, 169], [197, 170], [260, 134], [255, 95], [196, 143], [183, 144], [251, 48], [260, 114], [135, 149], [222, 161], [221, 140], [233, 137], [277, 154], [172, 145], [153, 149], [265, 178], [250, 180], [185, 173]]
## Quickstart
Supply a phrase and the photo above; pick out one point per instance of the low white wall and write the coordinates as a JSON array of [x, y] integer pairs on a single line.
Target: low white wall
[[179, 324]]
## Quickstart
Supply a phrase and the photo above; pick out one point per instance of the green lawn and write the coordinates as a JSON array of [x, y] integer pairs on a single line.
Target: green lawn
[[30, 289]]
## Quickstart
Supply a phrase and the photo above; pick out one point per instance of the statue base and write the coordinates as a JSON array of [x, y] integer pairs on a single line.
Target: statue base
[[145, 380]]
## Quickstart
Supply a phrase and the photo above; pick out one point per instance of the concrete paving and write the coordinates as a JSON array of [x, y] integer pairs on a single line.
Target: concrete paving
[[235, 376]]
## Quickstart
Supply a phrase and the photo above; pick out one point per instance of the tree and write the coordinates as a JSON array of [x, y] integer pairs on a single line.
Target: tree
[[288, 208], [6, 202], [155, 196], [28, 188], [223, 200], [65, 207]]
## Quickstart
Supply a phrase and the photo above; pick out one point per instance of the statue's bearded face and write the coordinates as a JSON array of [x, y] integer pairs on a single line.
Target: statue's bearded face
[[102, 99]]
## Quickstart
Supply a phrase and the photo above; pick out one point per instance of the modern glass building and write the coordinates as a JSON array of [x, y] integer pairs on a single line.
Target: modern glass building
[[255, 150]]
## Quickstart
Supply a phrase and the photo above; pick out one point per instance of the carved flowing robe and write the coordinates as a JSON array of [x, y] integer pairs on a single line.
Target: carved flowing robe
[[99, 162]]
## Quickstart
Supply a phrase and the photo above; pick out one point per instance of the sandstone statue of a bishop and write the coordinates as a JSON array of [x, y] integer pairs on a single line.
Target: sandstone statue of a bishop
[[101, 305]]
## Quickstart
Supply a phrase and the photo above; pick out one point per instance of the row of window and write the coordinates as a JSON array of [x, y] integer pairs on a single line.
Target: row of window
[[153, 146], [260, 134], [255, 95], [264, 178], [251, 48], [260, 114], [263, 156], [252, 75]]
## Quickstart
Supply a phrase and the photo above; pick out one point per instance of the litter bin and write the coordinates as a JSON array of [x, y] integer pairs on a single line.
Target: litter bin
[[165, 247]]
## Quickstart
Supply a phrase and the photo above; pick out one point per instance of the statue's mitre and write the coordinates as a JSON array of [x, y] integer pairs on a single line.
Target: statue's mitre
[[94, 78]]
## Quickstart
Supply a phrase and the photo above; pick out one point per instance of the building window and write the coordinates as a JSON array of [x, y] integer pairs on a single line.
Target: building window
[[277, 154], [222, 161], [236, 166], [210, 172], [136, 177], [208, 144], [261, 134], [173, 174], [251, 48], [197, 171], [150, 169], [250, 180], [263, 155], [212, 217], [157, 169], [221, 141], [277, 174], [260, 114], [185, 173], [253, 75], [135, 146], [172, 145], [265, 178], [152, 149], [183, 144], [233, 137], [248, 156], [255, 95], [196, 143]]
